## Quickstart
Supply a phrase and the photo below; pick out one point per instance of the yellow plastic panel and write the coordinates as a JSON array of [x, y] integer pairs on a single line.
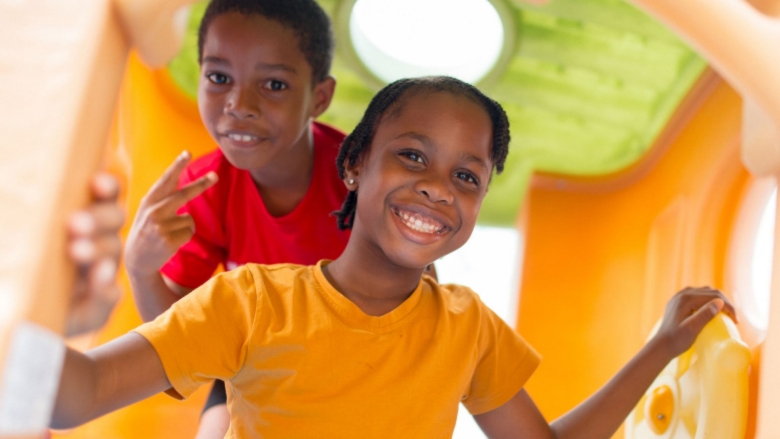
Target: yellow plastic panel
[[701, 394]]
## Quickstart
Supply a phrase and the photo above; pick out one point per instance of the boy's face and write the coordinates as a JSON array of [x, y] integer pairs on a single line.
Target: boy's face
[[421, 183], [255, 91]]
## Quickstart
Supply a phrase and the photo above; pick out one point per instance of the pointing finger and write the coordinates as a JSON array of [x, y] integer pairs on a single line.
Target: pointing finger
[[169, 181], [176, 200]]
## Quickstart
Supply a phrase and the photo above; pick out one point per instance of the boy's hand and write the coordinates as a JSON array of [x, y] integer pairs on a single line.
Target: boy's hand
[[686, 315], [94, 245], [158, 231]]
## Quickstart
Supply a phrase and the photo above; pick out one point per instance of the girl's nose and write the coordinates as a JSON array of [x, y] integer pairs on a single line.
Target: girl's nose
[[242, 104], [435, 189]]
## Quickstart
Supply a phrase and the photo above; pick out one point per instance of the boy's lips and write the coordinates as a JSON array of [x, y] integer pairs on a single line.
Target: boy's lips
[[421, 221], [243, 139]]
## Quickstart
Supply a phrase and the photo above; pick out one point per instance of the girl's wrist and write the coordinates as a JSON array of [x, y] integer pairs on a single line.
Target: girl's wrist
[[661, 348]]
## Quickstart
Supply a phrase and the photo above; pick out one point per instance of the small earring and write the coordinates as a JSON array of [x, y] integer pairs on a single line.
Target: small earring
[[351, 181]]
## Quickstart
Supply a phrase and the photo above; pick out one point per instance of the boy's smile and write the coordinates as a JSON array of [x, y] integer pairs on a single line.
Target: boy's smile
[[256, 95], [422, 181]]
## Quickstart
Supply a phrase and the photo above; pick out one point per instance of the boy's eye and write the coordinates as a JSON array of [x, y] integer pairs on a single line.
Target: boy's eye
[[275, 85], [217, 78], [467, 177]]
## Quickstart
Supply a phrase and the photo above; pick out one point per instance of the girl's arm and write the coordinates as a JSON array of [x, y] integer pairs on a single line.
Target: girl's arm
[[600, 416], [112, 376]]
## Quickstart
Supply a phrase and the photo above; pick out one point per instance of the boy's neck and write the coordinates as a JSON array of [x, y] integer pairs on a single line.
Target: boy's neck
[[284, 182], [365, 276]]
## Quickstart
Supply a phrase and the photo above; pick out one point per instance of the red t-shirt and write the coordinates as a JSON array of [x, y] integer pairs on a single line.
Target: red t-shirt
[[233, 227]]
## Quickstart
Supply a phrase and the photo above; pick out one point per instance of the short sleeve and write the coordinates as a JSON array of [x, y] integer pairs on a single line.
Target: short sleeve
[[195, 261], [505, 363], [205, 335]]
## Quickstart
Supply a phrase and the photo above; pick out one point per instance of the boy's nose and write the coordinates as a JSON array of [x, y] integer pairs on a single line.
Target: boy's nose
[[242, 104], [436, 190]]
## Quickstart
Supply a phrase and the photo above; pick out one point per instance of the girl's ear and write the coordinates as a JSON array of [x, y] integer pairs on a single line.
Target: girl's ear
[[352, 174]]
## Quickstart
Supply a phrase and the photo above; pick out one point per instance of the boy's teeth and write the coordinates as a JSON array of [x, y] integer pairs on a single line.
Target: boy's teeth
[[420, 223], [242, 137]]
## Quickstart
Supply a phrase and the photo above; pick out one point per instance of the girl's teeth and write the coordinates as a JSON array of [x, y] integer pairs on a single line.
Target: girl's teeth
[[414, 222]]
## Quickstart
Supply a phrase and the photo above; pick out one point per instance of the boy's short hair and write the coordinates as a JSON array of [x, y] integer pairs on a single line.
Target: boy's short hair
[[305, 17]]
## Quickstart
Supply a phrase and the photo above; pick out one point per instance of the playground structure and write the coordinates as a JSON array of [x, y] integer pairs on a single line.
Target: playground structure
[[612, 247]]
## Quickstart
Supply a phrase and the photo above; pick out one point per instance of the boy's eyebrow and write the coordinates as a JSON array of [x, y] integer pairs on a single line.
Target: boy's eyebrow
[[215, 60], [285, 67], [425, 140]]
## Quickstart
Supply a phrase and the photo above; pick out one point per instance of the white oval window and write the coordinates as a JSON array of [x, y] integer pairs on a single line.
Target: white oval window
[[407, 38], [752, 254], [761, 264]]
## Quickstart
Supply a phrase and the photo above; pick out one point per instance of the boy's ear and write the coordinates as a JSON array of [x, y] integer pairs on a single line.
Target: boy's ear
[[323, 95]]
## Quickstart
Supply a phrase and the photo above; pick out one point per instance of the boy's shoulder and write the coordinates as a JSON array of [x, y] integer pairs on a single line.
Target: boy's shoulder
[[327, 136]]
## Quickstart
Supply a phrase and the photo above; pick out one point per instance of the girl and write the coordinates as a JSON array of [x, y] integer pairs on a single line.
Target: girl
[[365, 345]]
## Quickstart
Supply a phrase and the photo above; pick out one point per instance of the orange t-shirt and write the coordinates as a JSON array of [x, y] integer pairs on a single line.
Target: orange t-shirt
[[302, 361]]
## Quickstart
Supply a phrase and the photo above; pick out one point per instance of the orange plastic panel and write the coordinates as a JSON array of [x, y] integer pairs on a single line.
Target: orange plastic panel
[[600, 264]]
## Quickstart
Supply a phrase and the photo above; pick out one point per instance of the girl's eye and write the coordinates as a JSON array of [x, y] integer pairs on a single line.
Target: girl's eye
[[467, 177], [413, 156], [275, 85], [217, 78]]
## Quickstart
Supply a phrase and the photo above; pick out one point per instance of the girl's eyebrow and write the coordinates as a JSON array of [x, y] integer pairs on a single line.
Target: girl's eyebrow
[[426, 141], [422, 138]]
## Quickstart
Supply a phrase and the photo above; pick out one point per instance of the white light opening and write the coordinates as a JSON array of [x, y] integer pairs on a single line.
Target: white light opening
[[409, 38], [489, 264], [761, 265]]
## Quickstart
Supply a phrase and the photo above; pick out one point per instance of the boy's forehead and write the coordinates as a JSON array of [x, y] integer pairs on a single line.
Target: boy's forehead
[[235, 38]]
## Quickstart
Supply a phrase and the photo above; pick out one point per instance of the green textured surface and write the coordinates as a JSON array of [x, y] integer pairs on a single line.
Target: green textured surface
[[591, 85]]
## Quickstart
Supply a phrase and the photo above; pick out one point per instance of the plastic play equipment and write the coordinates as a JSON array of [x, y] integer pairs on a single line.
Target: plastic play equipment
[[694, 397], [60, 72], [751, 62], [602, 252]]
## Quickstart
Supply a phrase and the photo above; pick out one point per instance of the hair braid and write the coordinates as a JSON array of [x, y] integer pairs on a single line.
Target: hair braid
[[389, 99]]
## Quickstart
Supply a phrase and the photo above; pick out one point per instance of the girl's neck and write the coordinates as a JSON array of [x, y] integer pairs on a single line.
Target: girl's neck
[[365, 276]]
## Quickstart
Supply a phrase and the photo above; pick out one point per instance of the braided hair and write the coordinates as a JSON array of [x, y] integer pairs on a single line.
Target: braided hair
[[389, 101], [305, 18]]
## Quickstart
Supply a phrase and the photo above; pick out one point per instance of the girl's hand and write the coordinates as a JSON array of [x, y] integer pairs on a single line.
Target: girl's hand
[[94, 246], [686, 315], [158, 231]]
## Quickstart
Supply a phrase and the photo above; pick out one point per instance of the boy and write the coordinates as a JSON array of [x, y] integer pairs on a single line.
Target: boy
[[264, 78]]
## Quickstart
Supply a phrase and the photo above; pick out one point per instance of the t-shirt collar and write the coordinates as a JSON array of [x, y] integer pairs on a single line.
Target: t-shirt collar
[[353, 316]]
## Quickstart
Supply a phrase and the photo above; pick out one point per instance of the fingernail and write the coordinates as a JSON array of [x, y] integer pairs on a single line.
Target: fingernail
[[105, 272], [82, 223], [212, 176], [106, 184], [184, 155], [83, 250]]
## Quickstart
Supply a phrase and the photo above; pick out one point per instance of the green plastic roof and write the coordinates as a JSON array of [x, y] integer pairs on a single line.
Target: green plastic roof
[[591, 85]]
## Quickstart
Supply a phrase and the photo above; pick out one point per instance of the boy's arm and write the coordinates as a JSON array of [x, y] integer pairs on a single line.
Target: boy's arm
[[157, 233], [601, 415], [107, 378]]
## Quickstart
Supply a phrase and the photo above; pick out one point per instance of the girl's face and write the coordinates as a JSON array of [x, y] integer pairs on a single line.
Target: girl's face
[[421, 183]]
